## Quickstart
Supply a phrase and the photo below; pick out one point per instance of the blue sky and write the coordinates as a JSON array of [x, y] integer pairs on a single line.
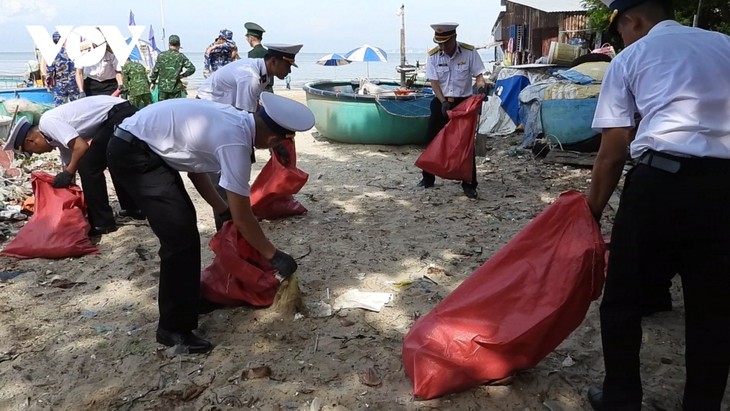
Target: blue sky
[[321, 25]]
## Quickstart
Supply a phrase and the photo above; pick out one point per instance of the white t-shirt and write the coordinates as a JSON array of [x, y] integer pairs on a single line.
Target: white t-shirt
[[79, 118], [200, 137], [455, 73], [239, 84], [677, 79], [104, 70]]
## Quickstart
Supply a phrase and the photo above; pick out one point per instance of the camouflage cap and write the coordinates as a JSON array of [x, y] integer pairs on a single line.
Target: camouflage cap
[[174, 40]]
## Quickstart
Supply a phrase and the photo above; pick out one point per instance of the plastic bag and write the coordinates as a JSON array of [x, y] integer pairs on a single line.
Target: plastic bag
[[58, 228], [514, 309], [606, 49], [450, 154], [271, 192], [238, 274]]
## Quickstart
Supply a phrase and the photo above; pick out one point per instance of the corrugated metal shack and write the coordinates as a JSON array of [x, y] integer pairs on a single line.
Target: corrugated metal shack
[[527, 27]]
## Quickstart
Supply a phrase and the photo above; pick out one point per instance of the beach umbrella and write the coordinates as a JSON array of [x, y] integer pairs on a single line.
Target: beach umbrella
[[367, 54], [333, 59]]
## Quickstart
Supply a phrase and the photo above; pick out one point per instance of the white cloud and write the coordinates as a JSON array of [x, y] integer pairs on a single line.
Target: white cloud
[[36, 10]]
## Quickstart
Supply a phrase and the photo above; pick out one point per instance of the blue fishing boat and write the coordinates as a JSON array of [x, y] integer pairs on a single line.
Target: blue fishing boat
[[377, 112]]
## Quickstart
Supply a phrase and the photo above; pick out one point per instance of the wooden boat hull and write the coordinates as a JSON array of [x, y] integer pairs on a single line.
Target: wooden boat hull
[[568, 121], [344, 116]]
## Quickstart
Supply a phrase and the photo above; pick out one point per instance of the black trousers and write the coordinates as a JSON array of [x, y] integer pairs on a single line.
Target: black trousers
[[100, 88], [161, 195], [436, 122], [91, 170], [670, 223]]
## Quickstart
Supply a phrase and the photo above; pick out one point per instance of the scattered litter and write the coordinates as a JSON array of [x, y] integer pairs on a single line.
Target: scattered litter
[[568, 361], [9, 275], [256, 373], [355, 298], [298, 316], [359, 276], [345, 322], [88, 314], [552, 405], [433, 269], [316, 404], [288, 299], [370, 378], [319, 309], [58, 282], [103, 329]]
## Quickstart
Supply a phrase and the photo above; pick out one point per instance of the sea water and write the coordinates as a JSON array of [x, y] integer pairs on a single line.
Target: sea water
[[15, 64]]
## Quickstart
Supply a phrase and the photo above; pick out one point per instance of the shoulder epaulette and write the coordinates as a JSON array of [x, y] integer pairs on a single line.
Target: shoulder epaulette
[[466, 46], [433, 51]]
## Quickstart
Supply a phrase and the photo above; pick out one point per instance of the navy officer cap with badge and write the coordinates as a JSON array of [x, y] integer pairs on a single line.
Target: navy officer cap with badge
[[254, 30], [443, 32], [285, 51], [17, 135], [617, 7], [285, 116]]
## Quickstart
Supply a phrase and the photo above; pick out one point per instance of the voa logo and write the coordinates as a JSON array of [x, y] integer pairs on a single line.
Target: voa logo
[[98, 36]]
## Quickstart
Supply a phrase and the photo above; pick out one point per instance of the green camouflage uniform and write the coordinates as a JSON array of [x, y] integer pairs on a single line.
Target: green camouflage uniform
[[136, 85], [169, 70]]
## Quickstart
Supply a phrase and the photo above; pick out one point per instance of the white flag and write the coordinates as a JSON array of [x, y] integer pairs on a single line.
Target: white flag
[[399, 12]]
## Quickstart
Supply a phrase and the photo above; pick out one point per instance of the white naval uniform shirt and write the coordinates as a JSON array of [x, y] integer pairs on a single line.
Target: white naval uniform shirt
[[239, 84], [79, 118], [199, 136], [104, 70], [455, 73], [677, 79]]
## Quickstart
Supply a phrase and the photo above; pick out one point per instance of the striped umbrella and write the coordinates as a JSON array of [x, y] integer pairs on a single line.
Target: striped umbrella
[[333, 59], [367, 54]]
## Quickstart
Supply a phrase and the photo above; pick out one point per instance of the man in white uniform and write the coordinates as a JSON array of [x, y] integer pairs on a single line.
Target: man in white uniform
[[450, 68], [673, 216], [80, 130], [147, 154], [241, 82]]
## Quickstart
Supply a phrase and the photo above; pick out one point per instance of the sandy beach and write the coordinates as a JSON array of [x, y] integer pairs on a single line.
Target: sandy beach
[[92, 346]]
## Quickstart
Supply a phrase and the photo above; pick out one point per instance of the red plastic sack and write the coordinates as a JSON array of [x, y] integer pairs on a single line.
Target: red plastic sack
[[58, 228], [271, 192], [514, 309], [450, 155], [239, 274]]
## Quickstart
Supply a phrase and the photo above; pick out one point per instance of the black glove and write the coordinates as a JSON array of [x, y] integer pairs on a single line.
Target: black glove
[[283, 263], [226, 215], [282, 153], [82, 94], [63, 180], [222, 218], [445, 106], [483, 91]]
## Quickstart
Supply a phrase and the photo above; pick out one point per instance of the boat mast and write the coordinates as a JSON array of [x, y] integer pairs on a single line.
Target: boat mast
[[162, 14], [402, 45]]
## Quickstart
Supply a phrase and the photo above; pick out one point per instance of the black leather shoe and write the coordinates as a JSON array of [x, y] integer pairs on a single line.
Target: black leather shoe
[[97, 231], [470, 192], [136, 214], [189, 341], [425, 183], [595, 398]]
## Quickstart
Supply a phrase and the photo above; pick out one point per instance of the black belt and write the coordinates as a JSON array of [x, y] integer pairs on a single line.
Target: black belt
[[455, 99], [130, 138], [673, 164]]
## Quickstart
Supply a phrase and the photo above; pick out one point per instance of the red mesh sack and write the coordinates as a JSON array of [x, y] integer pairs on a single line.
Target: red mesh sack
[[450, 154], [272, 191], [239, 274], [58, 228], [514, 309]]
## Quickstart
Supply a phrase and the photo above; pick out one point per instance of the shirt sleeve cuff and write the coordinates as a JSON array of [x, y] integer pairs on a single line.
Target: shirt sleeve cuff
[[601, 123]]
